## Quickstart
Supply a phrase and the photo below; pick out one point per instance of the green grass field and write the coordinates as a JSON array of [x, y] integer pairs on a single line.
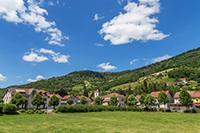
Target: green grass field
[[110, 122]]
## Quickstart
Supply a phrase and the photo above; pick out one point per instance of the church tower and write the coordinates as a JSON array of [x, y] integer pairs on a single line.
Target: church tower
[[96, 93]]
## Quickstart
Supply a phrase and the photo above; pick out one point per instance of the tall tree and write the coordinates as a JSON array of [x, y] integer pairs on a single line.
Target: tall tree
[[85, 93], [129, 92], [54, 101], [126, 99], [37, 100], [83, 100], [17, 99], [142, 99], [113, 101], [25, 101], [132, 101], [149, 100], [162, 98], [185, 98], [98, 101]]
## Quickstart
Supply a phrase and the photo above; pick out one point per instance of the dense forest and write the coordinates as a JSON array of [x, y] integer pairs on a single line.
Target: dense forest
[[105, 80]]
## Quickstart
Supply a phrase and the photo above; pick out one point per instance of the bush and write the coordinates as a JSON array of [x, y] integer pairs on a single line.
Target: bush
[[41, 112], [154, 109], [198, 110], [122, 108], [9, 109], [194, 111], [69, 109], [30, 111], [22, 111], [146, 109], [62, 108], [55, 111], [161, 109], [1, 107], [186, 111], [168, 110], [1, 101]]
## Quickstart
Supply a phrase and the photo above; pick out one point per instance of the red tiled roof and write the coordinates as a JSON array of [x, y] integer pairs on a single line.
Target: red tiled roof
[[106, 100], [177, 94], [196, 94], [50, 95], [182, 79], [27, 91], [155, 94], [79, 97], [113, 94], [138, 97], [66, 97], [168, 83]]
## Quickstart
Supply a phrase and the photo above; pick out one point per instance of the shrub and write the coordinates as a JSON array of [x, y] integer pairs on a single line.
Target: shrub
[[168, 110], [146, 109], [1, 107], [30, 111], [41, 112], [9, 109], [69, 109], [198, 110], [161, 109], [1, 101], [154, 109], [55, 111], [22, 111], [122, 108], [186, 111], [62, 108], [194, 111]]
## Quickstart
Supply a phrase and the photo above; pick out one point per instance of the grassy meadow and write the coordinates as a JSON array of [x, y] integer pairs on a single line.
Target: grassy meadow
[[97, 122]]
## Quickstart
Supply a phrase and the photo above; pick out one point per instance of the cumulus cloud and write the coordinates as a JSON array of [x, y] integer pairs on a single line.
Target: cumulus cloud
[[157, 59], [30, 12], [106, 67], [40, 55], [99, 44], [138, 23], [2, 78], [39, 77], [97, 17], [132, 62]]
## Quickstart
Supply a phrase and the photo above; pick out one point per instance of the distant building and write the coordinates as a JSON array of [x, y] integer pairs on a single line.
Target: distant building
[[96, 93], [157, 104], [168, 83], [158, 74], [120, 98], [182, 81]]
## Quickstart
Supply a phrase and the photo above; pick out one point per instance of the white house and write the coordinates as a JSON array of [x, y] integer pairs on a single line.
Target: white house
[[182, 81]]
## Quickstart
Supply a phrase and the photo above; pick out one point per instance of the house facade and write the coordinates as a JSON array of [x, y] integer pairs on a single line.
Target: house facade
[[196, 99], [182, 81], [76, 100], [29, 95], [120, 98], [157, 104]]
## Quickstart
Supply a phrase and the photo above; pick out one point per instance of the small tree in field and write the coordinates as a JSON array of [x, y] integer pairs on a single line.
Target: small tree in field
[[83, 100], [25, 101], [149, 100], [162, 98], [37, 100], [98, 101], [54, 101], [17, 99], [185, 98], [132, 101], [113, 101], [142, 99], [70, 101]]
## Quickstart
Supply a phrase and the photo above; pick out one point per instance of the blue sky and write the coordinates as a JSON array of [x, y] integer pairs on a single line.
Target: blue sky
[[40, 39]]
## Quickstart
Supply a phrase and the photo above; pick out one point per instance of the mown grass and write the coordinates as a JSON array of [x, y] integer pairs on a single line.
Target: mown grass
[[105, 122]]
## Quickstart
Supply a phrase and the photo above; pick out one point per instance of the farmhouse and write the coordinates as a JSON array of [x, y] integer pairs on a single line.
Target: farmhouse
[[167, 105], [182, 81], [28, 94], [196, 99], [120, 98], [76, 100]]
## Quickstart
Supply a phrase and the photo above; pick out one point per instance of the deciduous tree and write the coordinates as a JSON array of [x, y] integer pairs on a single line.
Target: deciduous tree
[[37, 100], [54, 101], [113, 101], [98, 101], [132, 101]]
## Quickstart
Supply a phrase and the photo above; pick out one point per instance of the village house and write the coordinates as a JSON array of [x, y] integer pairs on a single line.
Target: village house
[[28, 94], [89, 101], [76, 100], [168, 83], [182, 81], [157, 104], [196, 99], [177, 102], [139, 104], [120, 98]]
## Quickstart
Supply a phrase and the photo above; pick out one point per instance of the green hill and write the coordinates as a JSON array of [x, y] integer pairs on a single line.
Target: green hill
[[73, 82]]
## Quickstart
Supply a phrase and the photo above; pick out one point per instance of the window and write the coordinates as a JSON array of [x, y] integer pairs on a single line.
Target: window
[[197, 100], [179, 100]]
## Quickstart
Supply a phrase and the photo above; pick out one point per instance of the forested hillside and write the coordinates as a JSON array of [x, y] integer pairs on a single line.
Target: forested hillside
[[104, 81]]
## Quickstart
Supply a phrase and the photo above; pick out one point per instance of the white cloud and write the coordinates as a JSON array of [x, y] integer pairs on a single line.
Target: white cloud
[[99, 44], [39, 55], [84, 68], [157, 59], [97, 17], [18, 77], [30, 12], [21, 81], [2, 78], [120, 1], [39, 77], [51, 3], [132, 62], [34, 57], [138, 23], [106, 67]]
